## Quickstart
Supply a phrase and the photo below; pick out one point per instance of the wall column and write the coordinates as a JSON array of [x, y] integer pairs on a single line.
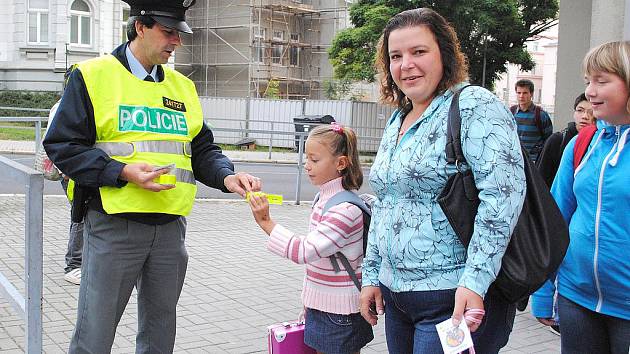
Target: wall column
[[574, 38]]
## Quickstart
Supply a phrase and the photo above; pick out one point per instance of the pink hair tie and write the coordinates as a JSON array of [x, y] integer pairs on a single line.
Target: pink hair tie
[[475, 316], [337, 128]]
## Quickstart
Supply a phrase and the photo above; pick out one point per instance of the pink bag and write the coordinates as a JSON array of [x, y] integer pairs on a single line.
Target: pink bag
[[288, 338]]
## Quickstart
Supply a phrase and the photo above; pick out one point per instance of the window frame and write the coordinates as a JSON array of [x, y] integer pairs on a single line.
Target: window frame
[[294, 50], [259, 44], [80, 15], [277, 47], [38, 12], [123, 26]]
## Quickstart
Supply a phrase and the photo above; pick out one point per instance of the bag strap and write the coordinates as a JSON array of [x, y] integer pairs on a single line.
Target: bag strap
[[538, 120], [582, 142], [454, 153], [346, 265], [352, 198], [342, 197], [513, 109]]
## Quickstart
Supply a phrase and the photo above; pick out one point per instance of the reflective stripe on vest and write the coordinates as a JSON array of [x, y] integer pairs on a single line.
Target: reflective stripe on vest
[[184, 176], [159, 146]]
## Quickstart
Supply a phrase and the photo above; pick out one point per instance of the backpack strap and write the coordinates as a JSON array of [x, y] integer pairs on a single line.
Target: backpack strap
[[538, 120], [346, 264], [581, 144], [342, 197], [352, 198], [513, 109]]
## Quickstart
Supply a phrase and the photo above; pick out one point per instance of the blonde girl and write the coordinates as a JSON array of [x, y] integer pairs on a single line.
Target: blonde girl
[[331, 300], [594, 278]]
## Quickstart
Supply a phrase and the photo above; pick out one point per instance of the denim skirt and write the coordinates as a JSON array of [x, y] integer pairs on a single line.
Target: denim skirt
[[331, 333]]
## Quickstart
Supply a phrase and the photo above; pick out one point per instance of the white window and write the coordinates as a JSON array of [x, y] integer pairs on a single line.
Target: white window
[[276, 53], [125, 17], [38, 21], [294, 50], [259, 44], [80, 24]]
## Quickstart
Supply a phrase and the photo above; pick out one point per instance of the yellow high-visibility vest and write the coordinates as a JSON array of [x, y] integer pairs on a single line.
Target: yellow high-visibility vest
[[142, 121]]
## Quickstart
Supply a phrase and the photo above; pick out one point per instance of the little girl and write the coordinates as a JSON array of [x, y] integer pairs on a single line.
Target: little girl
[[331, 300]]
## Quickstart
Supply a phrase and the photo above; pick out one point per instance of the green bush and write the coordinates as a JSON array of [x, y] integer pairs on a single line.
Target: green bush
[[27, 99]]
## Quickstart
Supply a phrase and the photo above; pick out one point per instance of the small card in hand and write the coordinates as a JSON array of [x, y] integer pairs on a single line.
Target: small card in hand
[[454, 339]]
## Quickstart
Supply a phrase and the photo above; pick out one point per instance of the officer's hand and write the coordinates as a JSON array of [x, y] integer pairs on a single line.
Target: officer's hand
[[241, 183], [143, 175]]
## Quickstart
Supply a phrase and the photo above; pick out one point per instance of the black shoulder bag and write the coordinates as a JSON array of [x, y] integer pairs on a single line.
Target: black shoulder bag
[[539, 240]]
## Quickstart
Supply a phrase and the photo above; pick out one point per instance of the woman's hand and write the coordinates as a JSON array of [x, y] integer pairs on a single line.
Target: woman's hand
[[466, 299], [260, 209], [371, 304]]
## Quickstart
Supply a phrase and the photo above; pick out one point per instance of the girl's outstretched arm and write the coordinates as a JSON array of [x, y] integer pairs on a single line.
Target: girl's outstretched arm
[[340, 230]]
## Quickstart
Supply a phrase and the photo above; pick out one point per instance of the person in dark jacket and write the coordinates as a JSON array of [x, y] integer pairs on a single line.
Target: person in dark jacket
[[130, 134], [551, 153]]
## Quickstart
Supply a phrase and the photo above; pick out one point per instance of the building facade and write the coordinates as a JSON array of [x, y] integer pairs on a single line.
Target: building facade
[[584, 24], [245, 48], [39, 39]]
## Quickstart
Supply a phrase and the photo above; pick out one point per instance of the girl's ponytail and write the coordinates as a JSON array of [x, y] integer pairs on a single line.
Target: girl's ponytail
[[353, 174]]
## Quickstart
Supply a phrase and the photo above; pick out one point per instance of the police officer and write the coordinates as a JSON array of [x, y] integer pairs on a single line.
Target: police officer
[[130, 134]]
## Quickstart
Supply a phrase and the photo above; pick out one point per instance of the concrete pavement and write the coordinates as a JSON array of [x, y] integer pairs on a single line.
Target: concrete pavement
[[234, 288]]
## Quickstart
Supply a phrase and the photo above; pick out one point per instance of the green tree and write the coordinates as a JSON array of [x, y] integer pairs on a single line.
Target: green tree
[[494, 29], [338, 89]]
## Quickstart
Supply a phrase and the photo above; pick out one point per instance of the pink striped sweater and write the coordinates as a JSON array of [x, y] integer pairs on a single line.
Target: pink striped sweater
[[340, 230]]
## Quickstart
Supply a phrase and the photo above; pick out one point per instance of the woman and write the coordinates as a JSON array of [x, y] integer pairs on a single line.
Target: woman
[[416, 270], [551, 153], [594, 278]]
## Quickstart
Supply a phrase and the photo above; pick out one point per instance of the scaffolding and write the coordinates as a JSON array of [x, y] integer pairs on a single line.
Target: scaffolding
[[240, 46]]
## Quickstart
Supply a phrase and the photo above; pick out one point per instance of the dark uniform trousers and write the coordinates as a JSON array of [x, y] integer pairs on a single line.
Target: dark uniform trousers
[[119, 254]]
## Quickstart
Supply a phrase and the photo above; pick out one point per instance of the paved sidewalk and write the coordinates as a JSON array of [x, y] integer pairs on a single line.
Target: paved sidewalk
[[234, 288]]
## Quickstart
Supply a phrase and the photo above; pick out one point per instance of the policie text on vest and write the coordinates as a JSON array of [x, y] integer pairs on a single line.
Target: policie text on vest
[[147, 119]]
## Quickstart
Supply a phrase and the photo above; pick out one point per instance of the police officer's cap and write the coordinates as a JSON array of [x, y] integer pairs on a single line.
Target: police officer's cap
[[168, 13]]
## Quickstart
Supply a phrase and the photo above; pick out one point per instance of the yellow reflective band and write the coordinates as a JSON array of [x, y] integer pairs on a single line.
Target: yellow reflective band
[[272, 198], [166, 179]]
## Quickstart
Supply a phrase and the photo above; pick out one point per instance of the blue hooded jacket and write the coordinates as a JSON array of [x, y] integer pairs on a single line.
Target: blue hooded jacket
[[595, 202]]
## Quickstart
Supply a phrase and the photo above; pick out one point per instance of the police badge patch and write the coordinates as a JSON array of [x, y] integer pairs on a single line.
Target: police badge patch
[[172, 104]]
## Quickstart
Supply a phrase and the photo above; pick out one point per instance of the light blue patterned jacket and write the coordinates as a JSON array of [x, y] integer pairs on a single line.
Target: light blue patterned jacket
[[411, 245]]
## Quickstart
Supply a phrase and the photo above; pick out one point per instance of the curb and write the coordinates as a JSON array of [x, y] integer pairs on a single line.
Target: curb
[[17, 152]]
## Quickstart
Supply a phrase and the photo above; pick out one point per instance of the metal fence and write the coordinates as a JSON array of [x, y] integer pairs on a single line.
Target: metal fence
[[37, 120], [29, 307], [367, 119], [271, 122]]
